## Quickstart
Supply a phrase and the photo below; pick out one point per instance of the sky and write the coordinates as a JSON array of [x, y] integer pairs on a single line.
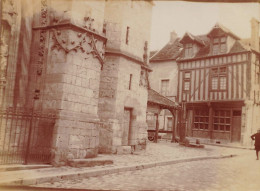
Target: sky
[[199, 18]]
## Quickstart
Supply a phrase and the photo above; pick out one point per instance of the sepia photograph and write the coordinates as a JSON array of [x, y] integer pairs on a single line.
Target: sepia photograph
[[149, 95]]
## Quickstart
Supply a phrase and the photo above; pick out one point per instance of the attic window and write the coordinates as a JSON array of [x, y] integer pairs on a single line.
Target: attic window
[[188, 50], [219, 45]]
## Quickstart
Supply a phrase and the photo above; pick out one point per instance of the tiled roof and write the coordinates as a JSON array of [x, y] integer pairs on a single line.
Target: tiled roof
[[174, 50], [238, 47], [226, 30], [205, 51], [170, 51], [199, 39], [155, 98]]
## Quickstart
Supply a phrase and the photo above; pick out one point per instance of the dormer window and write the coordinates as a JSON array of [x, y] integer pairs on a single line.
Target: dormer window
[[188, 50], [219, 45]]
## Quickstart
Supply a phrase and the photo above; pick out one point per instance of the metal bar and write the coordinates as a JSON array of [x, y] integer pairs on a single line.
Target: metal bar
[[29, 137], [15, 136], [10, 139]]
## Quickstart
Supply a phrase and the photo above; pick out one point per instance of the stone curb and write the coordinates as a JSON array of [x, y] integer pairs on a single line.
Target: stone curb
[[100, 172], [22, 167], [229, 146]]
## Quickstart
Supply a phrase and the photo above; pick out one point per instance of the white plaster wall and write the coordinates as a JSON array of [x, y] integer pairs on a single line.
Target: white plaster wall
[[135, 98], [164, 70]]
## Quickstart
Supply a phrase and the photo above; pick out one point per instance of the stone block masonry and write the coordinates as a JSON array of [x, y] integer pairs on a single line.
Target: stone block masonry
[[122, 98], [73, 58], [99, 103]]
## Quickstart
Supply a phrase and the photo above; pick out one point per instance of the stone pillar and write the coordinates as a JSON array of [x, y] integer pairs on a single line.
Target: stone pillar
[[66, 66]]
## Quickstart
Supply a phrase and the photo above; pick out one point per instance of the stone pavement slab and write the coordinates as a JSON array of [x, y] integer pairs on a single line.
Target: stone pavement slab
[[239, 173]]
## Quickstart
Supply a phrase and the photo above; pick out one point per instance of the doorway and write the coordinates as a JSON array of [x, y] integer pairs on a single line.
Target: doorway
[[126, 135], [236, 126]]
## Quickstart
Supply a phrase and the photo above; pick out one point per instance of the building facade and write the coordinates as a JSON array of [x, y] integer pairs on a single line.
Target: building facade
[[219, 86], [73, 78], [164, 77]]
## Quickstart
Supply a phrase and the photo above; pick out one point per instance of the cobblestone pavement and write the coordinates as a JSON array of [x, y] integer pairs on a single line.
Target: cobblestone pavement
[[240, 173], [155, 153], [167, 151]]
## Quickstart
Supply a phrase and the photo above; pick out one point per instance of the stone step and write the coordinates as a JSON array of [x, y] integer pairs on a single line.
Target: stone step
[[16, 167], [89, 162]]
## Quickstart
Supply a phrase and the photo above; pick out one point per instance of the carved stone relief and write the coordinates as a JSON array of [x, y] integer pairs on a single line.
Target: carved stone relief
[[143, 78], [144, 73], [43, 36], [70, 40], [145, 55], [60, 17], [9, 14], [8, 21], [44, 13]]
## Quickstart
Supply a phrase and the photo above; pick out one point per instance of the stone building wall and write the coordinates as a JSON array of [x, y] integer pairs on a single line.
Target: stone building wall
[[163, 71], [58, 68], [65, 68], [123, 67]]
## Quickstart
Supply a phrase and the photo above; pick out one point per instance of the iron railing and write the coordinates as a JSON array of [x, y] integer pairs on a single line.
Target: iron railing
[[25, 136]]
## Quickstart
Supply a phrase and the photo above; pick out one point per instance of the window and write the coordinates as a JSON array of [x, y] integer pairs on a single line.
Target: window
[[130, 81], [201, 119], [127, 35], [188, 50], [187, 86], [222, 120], [165, 87], [186, 81], [219, 79], [219, 45], [169, 123]]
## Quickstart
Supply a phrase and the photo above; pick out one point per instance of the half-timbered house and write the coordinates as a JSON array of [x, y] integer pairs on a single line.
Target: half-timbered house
[[218, 85]]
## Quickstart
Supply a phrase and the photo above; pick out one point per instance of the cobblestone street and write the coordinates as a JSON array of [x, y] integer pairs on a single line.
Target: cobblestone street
[[239, 173]]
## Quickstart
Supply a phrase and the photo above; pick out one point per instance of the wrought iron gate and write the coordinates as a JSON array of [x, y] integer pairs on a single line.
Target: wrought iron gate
[[25, 136]]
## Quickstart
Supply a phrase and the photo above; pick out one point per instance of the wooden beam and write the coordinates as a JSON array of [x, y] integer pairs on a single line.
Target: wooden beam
[[157, 128]]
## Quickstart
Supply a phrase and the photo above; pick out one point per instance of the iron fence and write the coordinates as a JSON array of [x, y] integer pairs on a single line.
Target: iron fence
[[25, 136]]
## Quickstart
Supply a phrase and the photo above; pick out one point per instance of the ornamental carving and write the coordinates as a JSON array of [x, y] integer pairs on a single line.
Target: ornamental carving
[[7, 25], [3, 56], [86, 43], [44, 13], [9, 14], [41, 51], [145, 55], [143, 78], [59, 17]]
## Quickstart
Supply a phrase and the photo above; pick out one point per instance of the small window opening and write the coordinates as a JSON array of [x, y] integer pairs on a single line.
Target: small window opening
[[130, 81], [127, 35]]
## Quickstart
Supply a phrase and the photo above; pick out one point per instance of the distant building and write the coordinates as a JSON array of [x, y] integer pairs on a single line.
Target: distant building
[[164, 77], [218, 84]]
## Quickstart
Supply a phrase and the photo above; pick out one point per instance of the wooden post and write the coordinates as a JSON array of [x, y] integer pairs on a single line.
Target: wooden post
[[157, 128], [174, 119], [183, 122], [210, 122]]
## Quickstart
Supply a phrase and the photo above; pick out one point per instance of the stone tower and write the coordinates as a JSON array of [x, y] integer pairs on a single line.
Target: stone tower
[[60, 97], [124, 78]]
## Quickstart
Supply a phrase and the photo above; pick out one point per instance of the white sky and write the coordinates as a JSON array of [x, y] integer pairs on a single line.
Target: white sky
[[199, 18]]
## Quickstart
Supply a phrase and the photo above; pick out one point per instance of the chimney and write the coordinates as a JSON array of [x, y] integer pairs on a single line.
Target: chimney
[[255, 34], [173, 36]]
